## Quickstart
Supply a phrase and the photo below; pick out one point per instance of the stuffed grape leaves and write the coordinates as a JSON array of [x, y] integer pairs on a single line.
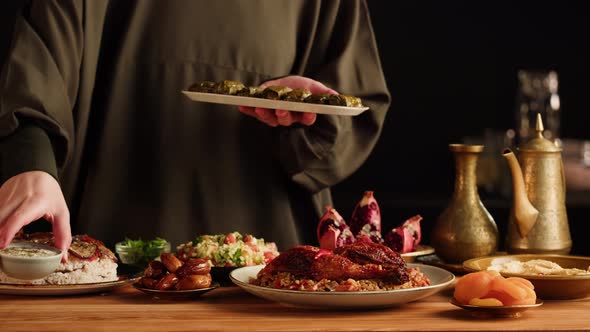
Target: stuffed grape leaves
[[205, 86], [318, 98], [250, 91], [227, 87], [275, 92], [297, 95], [344, 100]]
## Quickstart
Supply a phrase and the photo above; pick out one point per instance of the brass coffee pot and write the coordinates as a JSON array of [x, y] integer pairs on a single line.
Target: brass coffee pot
[[538, 219]]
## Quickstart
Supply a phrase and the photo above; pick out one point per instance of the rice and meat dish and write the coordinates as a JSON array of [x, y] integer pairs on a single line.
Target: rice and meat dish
[[229, 250], [89, 261], [361, 266]]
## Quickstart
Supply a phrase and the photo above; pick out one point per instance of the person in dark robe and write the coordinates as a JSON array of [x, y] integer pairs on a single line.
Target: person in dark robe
[[96, 136]]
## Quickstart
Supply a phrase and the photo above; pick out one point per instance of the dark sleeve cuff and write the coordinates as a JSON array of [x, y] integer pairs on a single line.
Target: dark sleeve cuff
[[27, 149]]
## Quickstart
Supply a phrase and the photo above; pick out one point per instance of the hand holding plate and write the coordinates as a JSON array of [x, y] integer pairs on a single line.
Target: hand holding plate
[[285, 118]]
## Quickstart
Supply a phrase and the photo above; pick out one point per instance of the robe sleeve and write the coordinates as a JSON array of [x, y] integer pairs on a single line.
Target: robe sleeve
[[39, 88], [344, 57]]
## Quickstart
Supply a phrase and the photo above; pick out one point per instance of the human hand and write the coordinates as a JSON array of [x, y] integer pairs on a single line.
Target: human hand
[[29, 196], [279, 117]]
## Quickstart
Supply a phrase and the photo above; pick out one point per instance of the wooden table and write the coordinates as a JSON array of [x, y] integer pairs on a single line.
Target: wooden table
[[232, 309]]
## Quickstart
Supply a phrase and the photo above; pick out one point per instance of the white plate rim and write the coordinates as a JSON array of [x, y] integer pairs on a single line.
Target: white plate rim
[[217, 98], [75, 289], [383, 298]]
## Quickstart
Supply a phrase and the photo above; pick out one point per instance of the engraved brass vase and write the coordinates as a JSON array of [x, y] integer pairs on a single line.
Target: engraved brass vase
[[465, 229]]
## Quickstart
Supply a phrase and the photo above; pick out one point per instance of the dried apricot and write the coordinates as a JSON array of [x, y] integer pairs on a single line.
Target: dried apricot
[[473, 285], [489, 288], [491, 302]]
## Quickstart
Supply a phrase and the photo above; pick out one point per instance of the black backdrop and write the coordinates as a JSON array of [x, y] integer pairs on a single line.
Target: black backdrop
[[451, 67], [452, 70]]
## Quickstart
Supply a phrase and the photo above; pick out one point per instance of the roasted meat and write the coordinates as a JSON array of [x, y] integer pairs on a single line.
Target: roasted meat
[[355, 261], [83, 246], [372, 253]]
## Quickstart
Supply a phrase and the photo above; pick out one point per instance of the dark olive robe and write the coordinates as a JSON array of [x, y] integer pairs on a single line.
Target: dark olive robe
[[91, 93]]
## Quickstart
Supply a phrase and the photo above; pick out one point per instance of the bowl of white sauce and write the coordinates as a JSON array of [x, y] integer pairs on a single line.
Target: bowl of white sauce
[[29, 260]]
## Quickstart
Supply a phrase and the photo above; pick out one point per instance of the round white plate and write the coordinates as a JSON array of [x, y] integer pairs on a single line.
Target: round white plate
[[439, 278], [273, 104], [127, 275]]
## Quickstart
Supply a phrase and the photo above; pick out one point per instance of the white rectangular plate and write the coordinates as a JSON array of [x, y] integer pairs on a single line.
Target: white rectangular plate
[[273, 104]]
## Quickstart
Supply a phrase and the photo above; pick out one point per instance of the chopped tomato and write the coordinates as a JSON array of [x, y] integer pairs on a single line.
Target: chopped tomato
[[230, 238]]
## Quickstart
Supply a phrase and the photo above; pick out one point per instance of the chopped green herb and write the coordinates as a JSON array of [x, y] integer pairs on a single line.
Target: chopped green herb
[[140, 252]]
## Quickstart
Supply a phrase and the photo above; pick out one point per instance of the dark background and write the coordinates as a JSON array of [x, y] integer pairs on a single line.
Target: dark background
[[452, 68]]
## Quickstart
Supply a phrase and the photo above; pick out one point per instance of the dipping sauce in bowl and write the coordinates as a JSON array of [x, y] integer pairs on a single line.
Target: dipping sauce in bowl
[[29, 260], [27, 252]]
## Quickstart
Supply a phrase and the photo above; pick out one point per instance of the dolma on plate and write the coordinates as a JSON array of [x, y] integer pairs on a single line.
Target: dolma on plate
[[344, 100], [204, 86], [297, 95], [250, 91], [317, 98], [275, 92], [227, 87]]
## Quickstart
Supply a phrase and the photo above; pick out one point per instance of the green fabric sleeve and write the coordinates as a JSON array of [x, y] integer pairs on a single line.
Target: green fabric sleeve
[[27, 149], [39, 84], [344, 56]]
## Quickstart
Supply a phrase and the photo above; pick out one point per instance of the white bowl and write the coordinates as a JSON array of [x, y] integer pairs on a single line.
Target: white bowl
[[24, 267]]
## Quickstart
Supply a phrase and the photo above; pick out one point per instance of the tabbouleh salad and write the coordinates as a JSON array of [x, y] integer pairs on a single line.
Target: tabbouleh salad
[[232, 249]]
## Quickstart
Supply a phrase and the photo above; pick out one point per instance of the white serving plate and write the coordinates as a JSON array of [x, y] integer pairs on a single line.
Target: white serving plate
[[273, 104], [127, 275], [439, 278]]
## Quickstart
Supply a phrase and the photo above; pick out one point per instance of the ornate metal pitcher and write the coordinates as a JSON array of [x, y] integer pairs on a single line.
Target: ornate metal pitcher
[[538, 219]]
